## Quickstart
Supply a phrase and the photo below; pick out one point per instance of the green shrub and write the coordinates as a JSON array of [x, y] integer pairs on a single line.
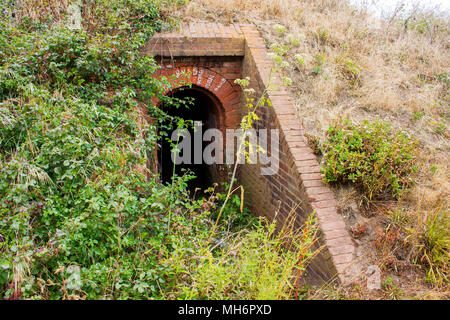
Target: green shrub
[[376, 159]]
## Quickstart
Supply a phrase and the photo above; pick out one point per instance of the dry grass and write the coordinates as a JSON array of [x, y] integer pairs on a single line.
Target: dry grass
[[391, 70], [399, 73]]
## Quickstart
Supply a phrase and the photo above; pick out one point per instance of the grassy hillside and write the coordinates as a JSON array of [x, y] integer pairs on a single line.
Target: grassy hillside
[[344, 64]]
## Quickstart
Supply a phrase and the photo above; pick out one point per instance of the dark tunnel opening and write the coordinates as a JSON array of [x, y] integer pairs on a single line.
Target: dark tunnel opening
[[203, 108]]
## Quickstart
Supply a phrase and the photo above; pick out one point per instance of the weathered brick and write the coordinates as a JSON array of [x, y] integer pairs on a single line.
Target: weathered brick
[[342, 260], [311, 176], [329, 235], [309, 169], [332, 226], [320, 197], [339, 250], [339, 242], [323, 204], [317, 182], [318, 190]]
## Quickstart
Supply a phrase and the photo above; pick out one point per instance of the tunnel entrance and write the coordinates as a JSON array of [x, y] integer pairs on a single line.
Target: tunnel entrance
[[203, 107]]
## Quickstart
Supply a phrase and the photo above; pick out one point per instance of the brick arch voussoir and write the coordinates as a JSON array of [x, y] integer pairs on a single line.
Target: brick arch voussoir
[[226, 93], [204, 78]]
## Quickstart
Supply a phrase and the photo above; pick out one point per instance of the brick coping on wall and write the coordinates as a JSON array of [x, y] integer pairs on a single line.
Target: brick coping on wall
[[213, 39]]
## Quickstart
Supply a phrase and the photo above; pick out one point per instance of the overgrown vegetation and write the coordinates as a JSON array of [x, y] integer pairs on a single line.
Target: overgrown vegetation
[[80, 218], [371, 156], [72, 197], [260, 263], [430, 240]]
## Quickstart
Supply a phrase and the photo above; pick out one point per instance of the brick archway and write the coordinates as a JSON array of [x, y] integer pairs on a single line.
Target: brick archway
[[211, 83]]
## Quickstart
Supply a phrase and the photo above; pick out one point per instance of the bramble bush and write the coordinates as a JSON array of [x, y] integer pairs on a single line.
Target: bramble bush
[[377, 159], [74, 210]]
